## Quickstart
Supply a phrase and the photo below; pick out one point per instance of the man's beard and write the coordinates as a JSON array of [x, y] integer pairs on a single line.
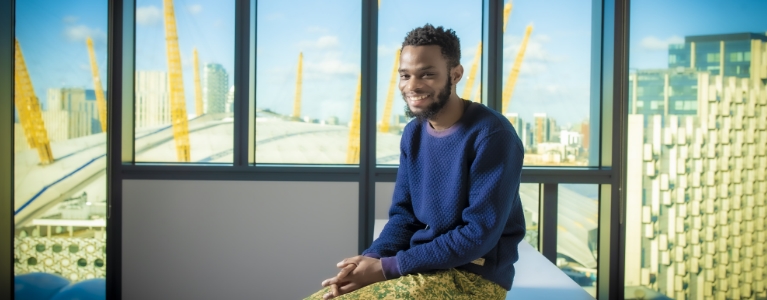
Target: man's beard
[[433, 108]]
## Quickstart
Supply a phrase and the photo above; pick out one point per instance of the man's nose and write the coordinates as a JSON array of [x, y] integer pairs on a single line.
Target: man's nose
[[414, 84]]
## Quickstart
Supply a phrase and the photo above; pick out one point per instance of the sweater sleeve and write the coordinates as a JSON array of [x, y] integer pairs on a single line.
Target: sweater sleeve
[[494, 178], [402, 222]]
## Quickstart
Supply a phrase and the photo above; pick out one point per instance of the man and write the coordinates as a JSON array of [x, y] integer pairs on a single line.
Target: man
[[456, 218]]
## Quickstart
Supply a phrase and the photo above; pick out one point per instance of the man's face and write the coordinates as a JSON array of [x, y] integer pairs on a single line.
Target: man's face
[[425, 80]]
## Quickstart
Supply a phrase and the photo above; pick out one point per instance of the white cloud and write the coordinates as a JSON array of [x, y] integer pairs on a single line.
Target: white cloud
[[195, 8], [330, 67], [70, 19], [148, 15], [80, 33], [654, 43], [322, 43], [535, 50]]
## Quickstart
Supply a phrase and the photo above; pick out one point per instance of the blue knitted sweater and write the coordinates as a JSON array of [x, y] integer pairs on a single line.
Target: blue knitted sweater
[[456, 200]]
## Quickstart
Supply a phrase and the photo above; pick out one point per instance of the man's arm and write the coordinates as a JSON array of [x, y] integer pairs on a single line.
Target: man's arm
[[494, 178], [402, 222]]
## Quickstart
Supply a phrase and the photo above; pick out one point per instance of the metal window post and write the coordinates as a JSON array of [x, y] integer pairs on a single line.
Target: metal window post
[[7, 12], [547, 231]]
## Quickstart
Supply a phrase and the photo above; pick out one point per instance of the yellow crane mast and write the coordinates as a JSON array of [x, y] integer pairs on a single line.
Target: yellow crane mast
[[478, 94], [386, 119], [101, 102], [506, 12], [297, 101], [28, 107], [197, 88], [472, 74], [508, 90], [353, 148], [178, 114], [475, 63]]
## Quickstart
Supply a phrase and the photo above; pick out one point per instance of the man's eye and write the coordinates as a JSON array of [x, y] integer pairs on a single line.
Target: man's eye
[[428, 75], [404, 76]]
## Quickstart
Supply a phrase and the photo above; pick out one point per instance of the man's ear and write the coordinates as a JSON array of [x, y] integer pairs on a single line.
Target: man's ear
[[456, 74]]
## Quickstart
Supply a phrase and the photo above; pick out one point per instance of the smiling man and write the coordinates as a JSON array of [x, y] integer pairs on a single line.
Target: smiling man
[[456, 217]]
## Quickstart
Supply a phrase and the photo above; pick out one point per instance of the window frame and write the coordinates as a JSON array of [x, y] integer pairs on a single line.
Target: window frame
[[609, 101]]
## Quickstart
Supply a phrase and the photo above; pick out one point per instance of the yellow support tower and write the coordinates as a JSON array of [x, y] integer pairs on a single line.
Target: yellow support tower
[[197, 87], [178, 114], [478, 94], [386, 119], [30, 116], [297, 101], [508, 90], [101, 102], [506, 12], [353, 148], [472, 73]]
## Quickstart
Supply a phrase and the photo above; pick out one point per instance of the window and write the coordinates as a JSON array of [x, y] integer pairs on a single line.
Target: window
[[692, 234], [60, 141], [577, 233], [547, 79], [530, 194], [736, 56], [712, 57], [184, 74], [396, 18], [672, 59], [308, 82]]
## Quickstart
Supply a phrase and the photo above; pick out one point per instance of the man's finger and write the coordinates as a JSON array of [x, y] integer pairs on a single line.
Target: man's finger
[[329, 281], [351, 260], [334, 290], [345, 271], [352, 286]]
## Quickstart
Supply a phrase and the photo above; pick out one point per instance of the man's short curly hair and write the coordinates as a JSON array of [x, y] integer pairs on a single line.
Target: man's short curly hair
[[446, 39]]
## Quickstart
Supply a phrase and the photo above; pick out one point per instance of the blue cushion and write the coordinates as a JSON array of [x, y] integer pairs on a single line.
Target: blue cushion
[[91, 289], [38, 286]]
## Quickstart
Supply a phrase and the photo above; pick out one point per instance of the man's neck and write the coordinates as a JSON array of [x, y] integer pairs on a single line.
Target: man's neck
[[448, 115]]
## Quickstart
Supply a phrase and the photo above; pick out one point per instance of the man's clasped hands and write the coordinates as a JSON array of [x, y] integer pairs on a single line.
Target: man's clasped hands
[[356, 272]]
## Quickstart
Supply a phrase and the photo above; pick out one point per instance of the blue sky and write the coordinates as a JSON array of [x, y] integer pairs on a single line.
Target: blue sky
[[554, 76]]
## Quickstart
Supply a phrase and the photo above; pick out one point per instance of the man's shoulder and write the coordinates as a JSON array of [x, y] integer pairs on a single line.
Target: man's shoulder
[[486, 120]]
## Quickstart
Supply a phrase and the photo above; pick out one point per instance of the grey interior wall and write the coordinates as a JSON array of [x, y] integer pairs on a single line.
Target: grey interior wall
[[234, 239], [384, 192]]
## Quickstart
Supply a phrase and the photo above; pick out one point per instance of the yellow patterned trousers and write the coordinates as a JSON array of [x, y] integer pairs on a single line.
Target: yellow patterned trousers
[[442, 285]]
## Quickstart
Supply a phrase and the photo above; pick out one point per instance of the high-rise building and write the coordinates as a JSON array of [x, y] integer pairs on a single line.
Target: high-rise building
[[74, 108], [585, 134], [542, 128], [230, 100], [695, 183], [737, 53], [519, 127], [215, 88], [152, 99], [674, 91]]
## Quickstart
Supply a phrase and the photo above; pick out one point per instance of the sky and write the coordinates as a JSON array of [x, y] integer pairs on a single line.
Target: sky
[[554, 76]]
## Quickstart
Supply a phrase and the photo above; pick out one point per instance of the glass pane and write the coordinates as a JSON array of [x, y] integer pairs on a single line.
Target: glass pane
[[530, 193], [396, 18], [184, 83], [696, 150], [308, 82], [547, 79], [577, 233], [59, 147]]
